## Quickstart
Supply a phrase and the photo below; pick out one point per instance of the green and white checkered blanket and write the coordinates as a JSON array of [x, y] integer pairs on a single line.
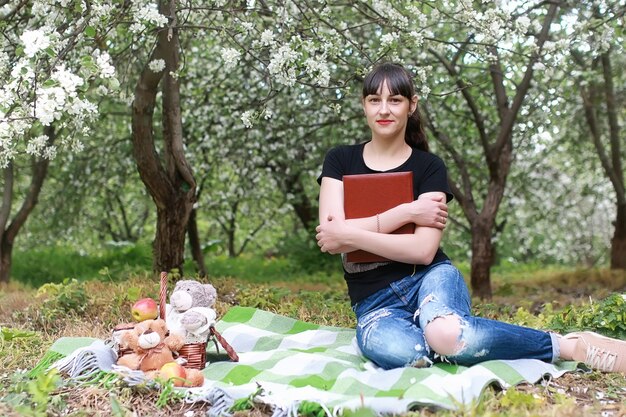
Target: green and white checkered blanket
[[293, 361]]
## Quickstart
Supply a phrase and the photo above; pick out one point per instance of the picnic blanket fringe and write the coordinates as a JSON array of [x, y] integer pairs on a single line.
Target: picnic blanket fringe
[[222, 403], [44, 363], [85, 364]]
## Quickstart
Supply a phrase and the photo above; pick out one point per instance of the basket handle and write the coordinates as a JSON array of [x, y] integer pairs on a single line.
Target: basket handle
[[162, 294]]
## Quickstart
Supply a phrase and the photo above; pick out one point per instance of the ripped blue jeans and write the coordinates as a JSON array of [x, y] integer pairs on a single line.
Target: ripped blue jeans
[[391, 323]]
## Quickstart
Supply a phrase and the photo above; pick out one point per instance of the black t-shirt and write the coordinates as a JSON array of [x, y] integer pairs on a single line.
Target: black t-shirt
[[429, 175]]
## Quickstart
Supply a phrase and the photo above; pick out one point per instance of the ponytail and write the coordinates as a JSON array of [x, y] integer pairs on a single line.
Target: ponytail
[[415, 135]]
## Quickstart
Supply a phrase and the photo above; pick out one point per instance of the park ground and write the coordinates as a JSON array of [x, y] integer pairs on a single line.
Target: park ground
[[32, 318]]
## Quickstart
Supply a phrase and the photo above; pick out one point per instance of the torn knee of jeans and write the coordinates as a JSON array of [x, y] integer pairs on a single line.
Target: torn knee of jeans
[[427, 299], [460, 344], [421, 362]]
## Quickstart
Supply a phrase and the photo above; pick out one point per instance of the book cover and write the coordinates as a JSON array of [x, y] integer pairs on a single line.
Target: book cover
[[366, 195]]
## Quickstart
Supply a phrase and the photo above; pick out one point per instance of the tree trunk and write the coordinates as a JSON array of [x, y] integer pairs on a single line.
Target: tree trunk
[[10, 232], [301, 203], [618, 243], [194, 243], [482, 258], [168, 178], [6, 249], [170, 236]]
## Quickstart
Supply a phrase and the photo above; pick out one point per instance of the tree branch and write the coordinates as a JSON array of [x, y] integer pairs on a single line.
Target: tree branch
[[611, 109], [479, 121], [40, 170], [506, 125]]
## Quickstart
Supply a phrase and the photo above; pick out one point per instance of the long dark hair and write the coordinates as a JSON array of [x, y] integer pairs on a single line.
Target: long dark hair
[[399, 82]]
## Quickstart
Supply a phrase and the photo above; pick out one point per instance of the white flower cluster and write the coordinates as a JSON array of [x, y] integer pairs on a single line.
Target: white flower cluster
[[231, 57], [147, 15], [34, 41], [388, 39], [156, 65], [491, 26], [103, 61], [247, 117], [39, 147], [386, 9], [318, 67], [416, 38], [52, 101], [282, 65], [267, 38]]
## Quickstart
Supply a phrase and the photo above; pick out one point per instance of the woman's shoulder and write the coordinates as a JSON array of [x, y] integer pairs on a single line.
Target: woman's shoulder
[[423, 156], [348, 148], [345, 152]]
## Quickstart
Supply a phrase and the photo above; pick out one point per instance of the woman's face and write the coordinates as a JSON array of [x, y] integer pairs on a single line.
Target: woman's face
[[387, 114]]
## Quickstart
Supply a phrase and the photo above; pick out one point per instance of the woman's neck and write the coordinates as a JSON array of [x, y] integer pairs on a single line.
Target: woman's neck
[[383, 155]]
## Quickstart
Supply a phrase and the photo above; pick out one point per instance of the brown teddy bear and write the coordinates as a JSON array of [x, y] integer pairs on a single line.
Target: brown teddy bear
[[149, 345], [151, 349]]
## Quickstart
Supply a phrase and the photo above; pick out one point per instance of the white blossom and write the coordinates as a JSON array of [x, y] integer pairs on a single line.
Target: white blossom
[[48, 104], [267, 38], [417, 38], [6, 98], [231, 57], [388, 38], [246, 118], [66, 79], [156, 65], [34, 41], [37, 145], [149, 13], [103, 61], [319, 67], [247, 26], [281, 63], [23, 71]]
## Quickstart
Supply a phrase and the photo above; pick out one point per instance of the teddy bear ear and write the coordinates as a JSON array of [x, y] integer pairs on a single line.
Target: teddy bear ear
[[159, 325], [210, 292], [142, 326]]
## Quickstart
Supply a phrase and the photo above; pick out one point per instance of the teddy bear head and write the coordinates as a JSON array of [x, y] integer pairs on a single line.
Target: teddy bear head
[[145, 335], [190, 293]]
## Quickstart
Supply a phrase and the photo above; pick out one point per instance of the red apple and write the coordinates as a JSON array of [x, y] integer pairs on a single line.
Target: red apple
[[175, 372], [145, 309]]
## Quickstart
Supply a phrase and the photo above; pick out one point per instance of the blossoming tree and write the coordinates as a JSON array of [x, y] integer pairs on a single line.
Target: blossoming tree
[[49, 68]]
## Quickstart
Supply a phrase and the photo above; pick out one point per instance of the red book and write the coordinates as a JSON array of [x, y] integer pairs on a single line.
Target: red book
[[366, 195]]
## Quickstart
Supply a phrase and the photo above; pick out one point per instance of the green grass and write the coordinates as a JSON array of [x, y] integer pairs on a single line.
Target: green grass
[[53, 264], [106, 286]]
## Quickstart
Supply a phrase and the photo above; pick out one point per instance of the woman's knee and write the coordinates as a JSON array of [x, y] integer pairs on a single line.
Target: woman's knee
[[443, 335], [389, 342]]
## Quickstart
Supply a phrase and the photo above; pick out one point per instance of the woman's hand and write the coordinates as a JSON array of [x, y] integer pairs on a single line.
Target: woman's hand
[[331, 235], [429, 210]]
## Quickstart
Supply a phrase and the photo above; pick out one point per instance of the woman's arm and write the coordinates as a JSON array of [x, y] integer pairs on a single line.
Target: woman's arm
[[429, 210], [336, 235], [417, 248]]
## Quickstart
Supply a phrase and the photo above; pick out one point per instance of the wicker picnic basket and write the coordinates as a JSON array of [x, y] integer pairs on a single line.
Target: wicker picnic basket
[[194, 353]]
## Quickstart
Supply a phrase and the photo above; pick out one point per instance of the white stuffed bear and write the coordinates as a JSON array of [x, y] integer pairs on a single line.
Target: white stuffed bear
[[190, 313]]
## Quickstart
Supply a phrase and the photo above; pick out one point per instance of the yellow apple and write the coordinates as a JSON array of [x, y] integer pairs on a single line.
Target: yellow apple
[[145, 309], [175, 372]]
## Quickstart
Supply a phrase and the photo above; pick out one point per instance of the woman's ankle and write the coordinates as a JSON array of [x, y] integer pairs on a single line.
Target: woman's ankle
[[566, 348]]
